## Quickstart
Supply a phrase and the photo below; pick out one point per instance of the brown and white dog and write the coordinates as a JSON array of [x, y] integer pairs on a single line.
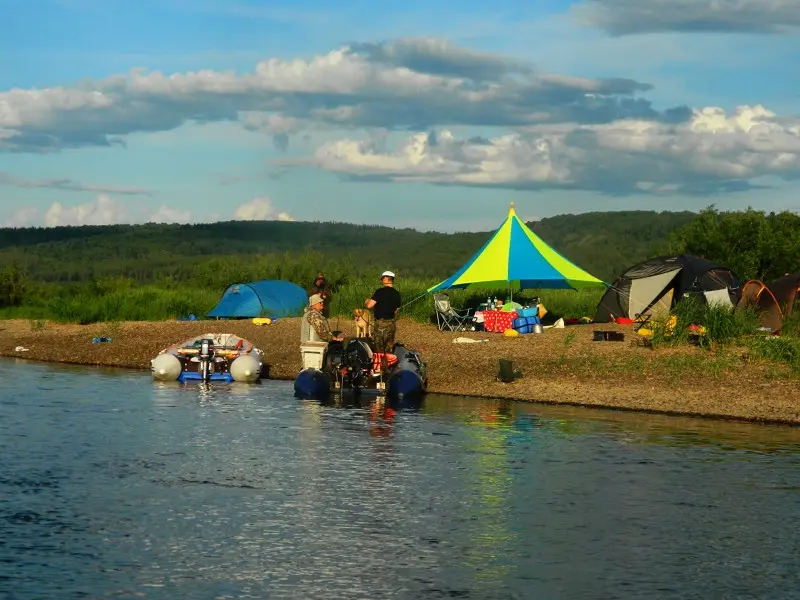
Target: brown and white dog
[[363, 319]]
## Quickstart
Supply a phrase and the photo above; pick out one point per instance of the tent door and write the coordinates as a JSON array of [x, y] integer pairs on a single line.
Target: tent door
[[651, 293], [718, 298]]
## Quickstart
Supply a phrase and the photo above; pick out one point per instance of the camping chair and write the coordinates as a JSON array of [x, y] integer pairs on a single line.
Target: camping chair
[[448, 317]]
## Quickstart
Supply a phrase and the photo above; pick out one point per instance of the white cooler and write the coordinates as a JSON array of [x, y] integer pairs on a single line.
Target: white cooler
[[313, 354]]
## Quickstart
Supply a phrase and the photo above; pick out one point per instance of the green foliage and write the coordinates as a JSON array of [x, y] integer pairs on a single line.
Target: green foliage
[[301, 268], [722, 325], [82, 304], [753, 244], [13, 286], [791, 324]]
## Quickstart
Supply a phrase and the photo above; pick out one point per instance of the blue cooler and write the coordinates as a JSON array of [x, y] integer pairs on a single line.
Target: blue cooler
[[525, 324], [533, 311]]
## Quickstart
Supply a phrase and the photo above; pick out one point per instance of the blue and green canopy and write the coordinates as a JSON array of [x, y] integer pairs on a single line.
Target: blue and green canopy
[[516, 258]]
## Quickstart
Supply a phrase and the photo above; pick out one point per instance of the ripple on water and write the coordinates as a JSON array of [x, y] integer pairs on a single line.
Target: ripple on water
[[116, 486]]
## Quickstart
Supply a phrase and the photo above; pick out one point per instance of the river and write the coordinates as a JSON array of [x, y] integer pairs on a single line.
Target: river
[[114, 486]]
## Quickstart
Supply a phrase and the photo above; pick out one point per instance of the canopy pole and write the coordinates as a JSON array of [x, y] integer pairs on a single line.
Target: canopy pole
[[510, 288]]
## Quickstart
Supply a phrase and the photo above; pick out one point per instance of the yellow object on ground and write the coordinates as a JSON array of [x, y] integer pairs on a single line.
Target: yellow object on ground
[[670, 325], [511, 333], [669, 328], [262, 321]]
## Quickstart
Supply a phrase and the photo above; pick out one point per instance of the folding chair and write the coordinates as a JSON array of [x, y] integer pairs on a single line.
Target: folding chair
[[448, 317]]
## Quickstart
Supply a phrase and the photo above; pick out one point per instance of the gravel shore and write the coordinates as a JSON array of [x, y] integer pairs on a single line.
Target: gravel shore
[[560, 366]]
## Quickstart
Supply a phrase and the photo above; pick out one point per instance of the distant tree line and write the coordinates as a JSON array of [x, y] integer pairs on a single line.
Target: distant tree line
[[602, 243], [34, 260]]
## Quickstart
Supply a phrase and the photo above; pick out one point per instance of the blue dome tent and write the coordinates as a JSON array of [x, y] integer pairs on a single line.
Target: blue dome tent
[[273, 298]]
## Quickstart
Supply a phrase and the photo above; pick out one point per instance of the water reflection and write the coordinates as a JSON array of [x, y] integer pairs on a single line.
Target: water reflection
[[124, 487], [627, 427], [492, 540]]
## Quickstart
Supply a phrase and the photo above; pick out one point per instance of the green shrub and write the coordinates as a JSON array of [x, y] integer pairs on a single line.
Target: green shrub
[[723, 325], [14, 286]]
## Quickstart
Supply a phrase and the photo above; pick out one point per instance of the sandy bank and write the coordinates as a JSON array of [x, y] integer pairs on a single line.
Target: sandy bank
[[561, 366]]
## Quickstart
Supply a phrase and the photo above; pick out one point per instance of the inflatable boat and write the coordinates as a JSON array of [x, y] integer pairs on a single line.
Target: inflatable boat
[[356, 369], [209, 357]]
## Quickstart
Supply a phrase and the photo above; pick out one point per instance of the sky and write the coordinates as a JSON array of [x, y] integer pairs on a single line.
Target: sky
[[432, 115]]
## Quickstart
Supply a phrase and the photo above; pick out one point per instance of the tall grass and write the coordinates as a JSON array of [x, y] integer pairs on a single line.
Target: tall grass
[[115, 301], [725, 327], [777, 349], [119, 299], [722, 325], [144, 303], [791, 324]]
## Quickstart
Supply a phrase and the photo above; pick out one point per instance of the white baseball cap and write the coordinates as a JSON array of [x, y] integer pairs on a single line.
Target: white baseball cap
[[387, 274]]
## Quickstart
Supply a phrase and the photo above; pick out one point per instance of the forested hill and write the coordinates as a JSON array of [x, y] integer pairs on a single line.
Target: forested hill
[[603, 243]]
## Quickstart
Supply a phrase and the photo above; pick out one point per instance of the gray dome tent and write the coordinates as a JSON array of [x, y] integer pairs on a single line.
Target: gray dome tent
[[654, 286]]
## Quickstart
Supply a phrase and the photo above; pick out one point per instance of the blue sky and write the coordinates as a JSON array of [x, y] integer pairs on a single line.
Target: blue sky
[[431, 115]]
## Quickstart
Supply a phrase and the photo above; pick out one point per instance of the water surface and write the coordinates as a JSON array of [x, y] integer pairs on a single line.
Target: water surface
[[113, 486]]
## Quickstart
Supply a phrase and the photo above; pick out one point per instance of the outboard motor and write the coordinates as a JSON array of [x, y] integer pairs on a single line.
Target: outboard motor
[[358, 361], [358, 355], [334, 357], [206, 356]]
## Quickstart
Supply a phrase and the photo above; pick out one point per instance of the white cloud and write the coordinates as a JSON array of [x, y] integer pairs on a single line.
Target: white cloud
[[24, 217], [260, 209], [167, 214], [621, 17], [103, 211], [552, 130], [713, 151], [410, 83]]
